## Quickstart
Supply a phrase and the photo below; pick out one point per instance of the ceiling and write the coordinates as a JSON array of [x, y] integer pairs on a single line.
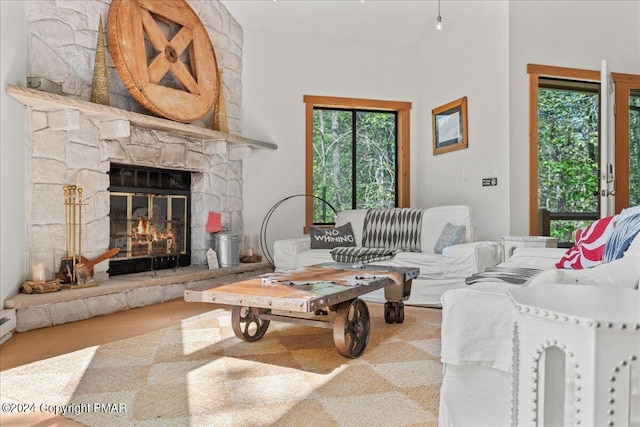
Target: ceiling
[[388, 22]]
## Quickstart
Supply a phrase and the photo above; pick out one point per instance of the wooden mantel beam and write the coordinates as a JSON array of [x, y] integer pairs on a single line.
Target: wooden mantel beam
[[49, 101]]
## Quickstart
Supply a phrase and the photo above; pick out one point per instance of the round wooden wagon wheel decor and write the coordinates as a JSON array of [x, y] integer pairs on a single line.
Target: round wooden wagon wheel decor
[[149, 40]]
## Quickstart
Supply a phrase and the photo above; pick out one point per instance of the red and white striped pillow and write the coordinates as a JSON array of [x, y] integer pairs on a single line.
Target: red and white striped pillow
[[589, 247]]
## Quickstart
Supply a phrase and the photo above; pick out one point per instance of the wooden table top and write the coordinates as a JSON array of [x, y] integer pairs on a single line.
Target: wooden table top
[[320, 291]]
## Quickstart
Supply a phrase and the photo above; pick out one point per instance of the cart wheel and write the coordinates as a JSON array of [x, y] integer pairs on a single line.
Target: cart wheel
[[351, 328], [400, 313], [246, 324], [389, 312]]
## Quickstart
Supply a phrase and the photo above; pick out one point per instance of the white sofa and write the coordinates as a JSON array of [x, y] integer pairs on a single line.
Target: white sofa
[[438, 272], [477, 339]]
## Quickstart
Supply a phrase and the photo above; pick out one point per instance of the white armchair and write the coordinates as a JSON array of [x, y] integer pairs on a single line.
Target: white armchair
[[477, 334]]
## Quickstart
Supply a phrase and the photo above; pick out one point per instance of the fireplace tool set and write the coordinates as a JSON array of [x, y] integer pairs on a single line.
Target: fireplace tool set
[[75, 269]]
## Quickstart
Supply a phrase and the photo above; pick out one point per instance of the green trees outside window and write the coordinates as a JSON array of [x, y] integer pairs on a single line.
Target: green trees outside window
[[354, 160], [568, 155]]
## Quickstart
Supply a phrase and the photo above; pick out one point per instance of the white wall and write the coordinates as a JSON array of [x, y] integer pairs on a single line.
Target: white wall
[[12, 200], [565, 34], [469, 58], [481, 53], [277, 71]]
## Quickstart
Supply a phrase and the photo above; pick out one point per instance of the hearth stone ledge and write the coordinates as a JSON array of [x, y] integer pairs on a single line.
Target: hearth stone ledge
[[121, 293]]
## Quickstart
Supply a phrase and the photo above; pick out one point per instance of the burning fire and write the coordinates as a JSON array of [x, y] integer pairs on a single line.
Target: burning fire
[[145, 232]]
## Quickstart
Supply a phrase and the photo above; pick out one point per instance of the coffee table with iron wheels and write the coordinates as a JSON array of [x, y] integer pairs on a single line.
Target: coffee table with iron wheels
[[256, 302]]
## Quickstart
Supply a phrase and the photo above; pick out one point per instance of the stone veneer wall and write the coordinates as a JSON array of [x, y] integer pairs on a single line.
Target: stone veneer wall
[[62, 38], [64, 148]]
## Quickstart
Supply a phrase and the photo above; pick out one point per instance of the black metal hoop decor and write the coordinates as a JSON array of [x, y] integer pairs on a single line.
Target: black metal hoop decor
[[267, 217]]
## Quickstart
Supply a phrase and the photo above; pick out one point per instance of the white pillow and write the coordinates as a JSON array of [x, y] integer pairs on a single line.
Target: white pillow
[[621, 273]]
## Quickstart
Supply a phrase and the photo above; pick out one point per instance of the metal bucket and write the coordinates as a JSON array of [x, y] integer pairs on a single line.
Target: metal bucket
[[227, 249]]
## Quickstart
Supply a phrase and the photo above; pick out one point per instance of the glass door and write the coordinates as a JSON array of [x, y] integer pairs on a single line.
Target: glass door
[[569, 156], [144, 225], [584, 147]]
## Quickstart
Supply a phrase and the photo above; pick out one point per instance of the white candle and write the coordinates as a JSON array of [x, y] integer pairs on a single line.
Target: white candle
[[37, 272]]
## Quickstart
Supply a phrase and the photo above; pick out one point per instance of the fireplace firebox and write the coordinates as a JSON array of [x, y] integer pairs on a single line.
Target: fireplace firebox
[[149, 218]]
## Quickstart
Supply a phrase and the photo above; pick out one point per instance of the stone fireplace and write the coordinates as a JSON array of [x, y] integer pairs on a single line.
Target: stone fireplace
[[67, 148], [70, 141]]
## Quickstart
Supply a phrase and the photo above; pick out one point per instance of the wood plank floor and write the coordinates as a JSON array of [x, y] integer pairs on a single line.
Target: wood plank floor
[[38, 344]]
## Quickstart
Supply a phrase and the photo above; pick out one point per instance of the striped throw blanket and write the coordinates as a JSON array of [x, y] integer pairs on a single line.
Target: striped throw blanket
[[362, 255], [397, 228], [508, 274], [385, 233], [621, 237]]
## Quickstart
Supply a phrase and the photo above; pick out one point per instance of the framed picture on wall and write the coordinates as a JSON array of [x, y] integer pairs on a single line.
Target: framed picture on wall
[[450, 126]]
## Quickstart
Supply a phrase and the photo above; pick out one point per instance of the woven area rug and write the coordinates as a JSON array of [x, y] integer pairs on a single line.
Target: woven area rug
[[199, 374]]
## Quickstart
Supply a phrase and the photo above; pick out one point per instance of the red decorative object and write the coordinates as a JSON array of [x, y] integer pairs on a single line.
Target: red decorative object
[[214, 222], [589, 247]]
